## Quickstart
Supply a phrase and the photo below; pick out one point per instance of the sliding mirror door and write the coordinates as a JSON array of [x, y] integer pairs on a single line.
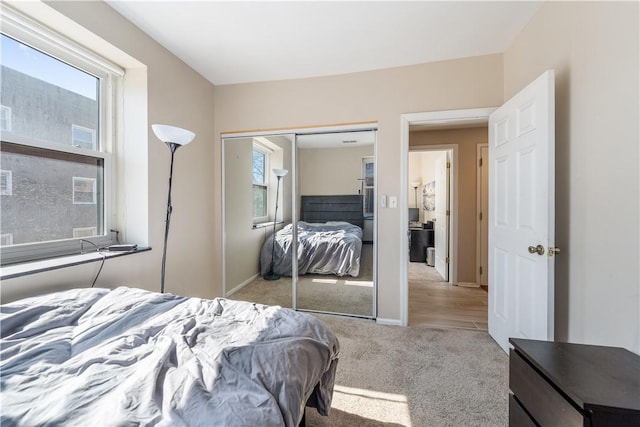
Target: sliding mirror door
[[335, 200], [257, 180]]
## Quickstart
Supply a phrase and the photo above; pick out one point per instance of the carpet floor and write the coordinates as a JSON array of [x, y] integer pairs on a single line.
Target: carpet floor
[[415, 377]]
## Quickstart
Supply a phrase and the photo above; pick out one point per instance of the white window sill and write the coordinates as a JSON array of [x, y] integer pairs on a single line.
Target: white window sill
[[266, 224], [40, 266]]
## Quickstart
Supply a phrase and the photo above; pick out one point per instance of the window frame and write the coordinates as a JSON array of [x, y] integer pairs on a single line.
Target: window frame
[[267, 161], [78, 232], [38, 36], [92, 132], [94, 188], [9, 237], [6, 109], [9, 175]]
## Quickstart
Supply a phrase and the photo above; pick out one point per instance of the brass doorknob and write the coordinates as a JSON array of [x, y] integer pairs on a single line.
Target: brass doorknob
[[536, 250]]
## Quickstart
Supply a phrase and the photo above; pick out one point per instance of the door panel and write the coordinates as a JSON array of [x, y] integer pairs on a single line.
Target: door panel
[[521, 194]]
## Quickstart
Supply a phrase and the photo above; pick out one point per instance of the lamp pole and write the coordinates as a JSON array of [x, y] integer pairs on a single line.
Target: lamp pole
[[173, 147], [271, 275]]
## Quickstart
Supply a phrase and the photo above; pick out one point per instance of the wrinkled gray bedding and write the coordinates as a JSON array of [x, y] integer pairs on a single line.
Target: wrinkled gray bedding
[[323, 248], [93, 357]]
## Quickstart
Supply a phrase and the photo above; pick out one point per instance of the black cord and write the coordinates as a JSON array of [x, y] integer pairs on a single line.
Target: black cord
[[99, 270]]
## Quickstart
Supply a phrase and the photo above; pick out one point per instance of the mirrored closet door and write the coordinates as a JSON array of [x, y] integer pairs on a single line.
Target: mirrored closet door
[[257, 194], [299, 220], [335, 195]]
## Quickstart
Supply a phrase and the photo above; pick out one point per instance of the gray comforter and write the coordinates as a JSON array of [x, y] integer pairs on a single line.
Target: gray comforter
[[323, 248], [92, 357]]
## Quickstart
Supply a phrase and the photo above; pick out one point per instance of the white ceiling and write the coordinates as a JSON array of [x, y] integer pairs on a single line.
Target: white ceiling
[[239, 41]]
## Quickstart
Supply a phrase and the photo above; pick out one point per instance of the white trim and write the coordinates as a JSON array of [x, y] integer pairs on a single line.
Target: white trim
[[242, 285], [435, 119], [16, 23], [389, 322]]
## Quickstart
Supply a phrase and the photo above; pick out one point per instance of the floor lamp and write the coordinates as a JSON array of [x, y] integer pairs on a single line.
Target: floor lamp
[[279, 173], [415, 186], [174, 137]]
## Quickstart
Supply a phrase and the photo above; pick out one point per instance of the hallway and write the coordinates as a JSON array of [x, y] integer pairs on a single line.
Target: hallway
[[436, 304]]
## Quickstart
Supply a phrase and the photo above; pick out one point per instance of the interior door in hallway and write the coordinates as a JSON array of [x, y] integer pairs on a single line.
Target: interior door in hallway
[[521, 214]]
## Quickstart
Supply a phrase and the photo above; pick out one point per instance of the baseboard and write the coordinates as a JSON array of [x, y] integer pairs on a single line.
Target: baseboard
[[388, 322], [468, 285], [242, 285]]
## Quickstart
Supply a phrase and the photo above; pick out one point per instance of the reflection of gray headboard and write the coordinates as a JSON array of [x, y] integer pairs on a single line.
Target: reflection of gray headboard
[[332, 208]]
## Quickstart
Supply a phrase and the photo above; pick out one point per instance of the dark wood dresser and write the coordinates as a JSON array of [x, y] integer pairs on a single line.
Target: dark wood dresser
[[561, 384]]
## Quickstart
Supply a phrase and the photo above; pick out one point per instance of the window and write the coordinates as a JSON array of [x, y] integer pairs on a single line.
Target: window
[[84, 191], [5, 118], [58, 100], [83, 137], [368, 186], [84, 232], [6, 184], [6, 239], [260, 184]]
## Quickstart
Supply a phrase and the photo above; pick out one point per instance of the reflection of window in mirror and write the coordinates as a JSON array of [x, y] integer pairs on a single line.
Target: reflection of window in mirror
[[260, 183], [368, 185]]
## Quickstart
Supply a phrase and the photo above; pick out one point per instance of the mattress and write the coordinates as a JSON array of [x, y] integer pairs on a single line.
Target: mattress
[[132, 357], [323, 248]]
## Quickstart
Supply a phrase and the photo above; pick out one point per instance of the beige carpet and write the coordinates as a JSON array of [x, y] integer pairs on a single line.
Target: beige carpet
[[394, 376], [327, 293]]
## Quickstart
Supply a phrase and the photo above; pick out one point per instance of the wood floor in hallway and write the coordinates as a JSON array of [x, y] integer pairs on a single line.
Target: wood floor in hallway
[[435, 303]]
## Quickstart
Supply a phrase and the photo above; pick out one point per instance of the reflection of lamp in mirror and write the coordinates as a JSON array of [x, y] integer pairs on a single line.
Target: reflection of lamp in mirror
[[415, 185], [174, 137], [279, 173]]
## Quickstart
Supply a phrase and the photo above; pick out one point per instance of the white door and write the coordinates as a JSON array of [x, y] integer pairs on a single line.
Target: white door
[[441, 227], [521, 214]]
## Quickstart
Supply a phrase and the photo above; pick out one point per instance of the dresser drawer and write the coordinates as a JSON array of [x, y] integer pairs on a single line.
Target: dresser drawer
[[545, 404], [518, 417]]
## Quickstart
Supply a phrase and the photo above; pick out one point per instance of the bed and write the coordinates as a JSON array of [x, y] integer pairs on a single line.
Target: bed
[[329, 238], [132, 357]]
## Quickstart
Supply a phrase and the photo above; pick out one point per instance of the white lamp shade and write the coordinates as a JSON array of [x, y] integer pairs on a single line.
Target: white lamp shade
[[415, 184], [173, 134], [280, 172]]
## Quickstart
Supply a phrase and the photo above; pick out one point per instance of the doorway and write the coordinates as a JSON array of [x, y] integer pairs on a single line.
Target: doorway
[[461, 290]]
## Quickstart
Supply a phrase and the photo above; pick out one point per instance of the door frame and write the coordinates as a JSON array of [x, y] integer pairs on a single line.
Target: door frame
[[429, 119], [485, 215], [451, 157]]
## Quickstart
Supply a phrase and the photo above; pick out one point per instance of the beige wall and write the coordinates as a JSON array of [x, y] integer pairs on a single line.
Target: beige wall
[[380, 96], [176, 95], [331, 171], [594, 49], [467, 141]]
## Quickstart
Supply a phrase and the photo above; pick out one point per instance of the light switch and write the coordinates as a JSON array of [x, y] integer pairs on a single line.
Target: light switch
[[383, 201], [393, 202]]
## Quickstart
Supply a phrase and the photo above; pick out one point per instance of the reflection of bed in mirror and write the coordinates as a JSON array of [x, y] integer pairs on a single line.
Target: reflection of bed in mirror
[[329, 238]]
